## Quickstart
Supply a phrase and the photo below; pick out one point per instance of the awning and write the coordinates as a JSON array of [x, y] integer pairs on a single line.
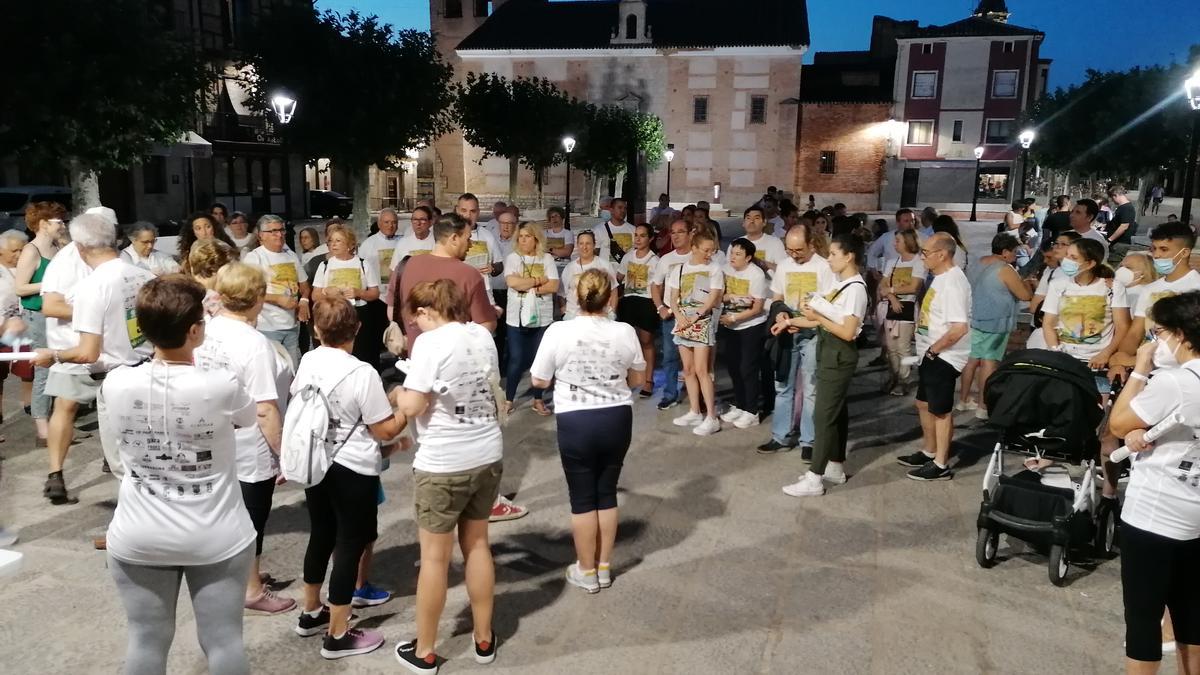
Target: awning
[[189, 144]]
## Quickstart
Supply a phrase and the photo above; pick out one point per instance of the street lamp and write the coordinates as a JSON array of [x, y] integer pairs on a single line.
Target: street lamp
[[568, 145], [1192, 88], [284, 107], [1026, 139], [669, 155], [975, 187]]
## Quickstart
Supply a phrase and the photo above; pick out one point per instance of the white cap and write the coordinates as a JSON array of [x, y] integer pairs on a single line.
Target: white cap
[[104, 212]]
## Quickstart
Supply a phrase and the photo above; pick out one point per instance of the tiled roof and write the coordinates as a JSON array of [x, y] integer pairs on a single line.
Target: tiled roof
[[970, 27], [588, 24]]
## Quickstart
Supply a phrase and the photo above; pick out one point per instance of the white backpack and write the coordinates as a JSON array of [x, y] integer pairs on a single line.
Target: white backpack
[[310, 430]]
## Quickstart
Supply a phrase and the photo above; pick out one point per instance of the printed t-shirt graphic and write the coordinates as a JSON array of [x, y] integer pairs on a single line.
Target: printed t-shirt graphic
[[737, 294], [799, 287], [284, 280], [346, 277], [1081, 319], [926, 308]]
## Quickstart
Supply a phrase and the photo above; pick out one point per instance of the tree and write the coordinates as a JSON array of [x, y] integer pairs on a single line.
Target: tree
[[97, 84], [610, 135], [365, 92]]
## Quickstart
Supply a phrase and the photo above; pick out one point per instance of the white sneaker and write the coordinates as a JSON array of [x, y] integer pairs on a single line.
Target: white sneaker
[[835, 473], [688, 419], [732, 414], [809, 485], [709, 426], [981, 413], [964, 406], [747, 420], [604, 575], [585, 580]]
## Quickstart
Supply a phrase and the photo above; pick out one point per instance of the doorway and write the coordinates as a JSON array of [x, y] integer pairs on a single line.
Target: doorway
[[908, 189]]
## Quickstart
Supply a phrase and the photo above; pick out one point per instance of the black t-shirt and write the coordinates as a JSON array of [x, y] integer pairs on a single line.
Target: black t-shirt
[[1125, 213], [1056, 223]]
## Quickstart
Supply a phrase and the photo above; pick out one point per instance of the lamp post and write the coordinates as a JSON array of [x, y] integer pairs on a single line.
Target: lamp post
[[975, 186], [1192, 88], [669, 155], [1026, 139], [284, 107], [568, 145]]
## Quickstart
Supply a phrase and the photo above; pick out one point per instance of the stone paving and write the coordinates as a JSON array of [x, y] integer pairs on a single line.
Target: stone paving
[[715, 570]]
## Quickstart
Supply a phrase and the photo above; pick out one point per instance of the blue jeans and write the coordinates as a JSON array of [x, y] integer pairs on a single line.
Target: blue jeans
[[290, 339], [40, 403], [670, 361], [804, 365], [523, 344]]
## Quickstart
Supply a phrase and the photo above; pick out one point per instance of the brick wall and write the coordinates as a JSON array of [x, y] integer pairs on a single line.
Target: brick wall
[[855, 132]]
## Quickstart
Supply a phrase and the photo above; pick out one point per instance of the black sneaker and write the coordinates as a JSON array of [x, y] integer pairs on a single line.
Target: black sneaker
[[774, 447], [918, 458], [931, 471], [309, 626], [666, 403], [485, 652], [406, 654], [646, 393], [806, 454]]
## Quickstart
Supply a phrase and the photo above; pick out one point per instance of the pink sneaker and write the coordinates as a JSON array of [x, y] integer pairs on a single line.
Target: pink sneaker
[[269, 603]]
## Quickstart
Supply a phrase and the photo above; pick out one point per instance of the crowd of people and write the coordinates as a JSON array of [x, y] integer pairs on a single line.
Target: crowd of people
[[194, 361]]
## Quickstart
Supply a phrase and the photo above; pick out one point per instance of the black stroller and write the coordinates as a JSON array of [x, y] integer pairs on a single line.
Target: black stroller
[[1045, 405]]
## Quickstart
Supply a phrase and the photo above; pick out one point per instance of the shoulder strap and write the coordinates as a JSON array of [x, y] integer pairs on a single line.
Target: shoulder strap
[[839, 291], [357, 422]]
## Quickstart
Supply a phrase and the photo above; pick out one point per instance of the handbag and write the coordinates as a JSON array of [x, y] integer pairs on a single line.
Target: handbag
[[908, 311], [616, 252], [698, 331]]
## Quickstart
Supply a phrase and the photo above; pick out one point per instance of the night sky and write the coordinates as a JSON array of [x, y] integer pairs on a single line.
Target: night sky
[[1100, 34]]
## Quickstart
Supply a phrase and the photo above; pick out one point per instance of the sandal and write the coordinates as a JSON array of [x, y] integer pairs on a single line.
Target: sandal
[[539, 407]]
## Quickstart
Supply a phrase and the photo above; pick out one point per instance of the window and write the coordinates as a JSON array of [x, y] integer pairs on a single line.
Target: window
[[999, 132], [154, 175], [758, 109], [992, 183], [700, 110], [924, 84], [453, 9], [828, 161], [481, 7], [927, 48], [631, 27], [957, 136], [920, 132], [1004, 84], [1009, 47]]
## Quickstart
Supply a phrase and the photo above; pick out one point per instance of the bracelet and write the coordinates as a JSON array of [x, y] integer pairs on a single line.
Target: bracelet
[[1134, 375], [303, 299]]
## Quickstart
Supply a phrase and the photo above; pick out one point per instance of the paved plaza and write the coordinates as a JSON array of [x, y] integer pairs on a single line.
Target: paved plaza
[[716, 571]]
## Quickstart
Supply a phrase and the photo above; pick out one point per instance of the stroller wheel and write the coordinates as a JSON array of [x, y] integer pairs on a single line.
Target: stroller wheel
[[986, 545], [1105, 541], [1058, 565]]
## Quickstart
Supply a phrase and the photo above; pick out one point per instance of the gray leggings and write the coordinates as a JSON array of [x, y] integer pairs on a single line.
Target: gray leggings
[[218, 594]]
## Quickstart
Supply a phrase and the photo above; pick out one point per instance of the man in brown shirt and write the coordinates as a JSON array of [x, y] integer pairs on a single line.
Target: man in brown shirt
[[452, 238]]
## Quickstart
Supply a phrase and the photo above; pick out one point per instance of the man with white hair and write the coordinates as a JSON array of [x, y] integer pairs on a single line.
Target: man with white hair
[[11, 244], [140, 252], [288, 290], [103, 328]]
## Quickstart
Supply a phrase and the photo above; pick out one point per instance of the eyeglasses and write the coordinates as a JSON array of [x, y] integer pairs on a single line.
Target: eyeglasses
[[796, 251], [927, 251], [275, 231]]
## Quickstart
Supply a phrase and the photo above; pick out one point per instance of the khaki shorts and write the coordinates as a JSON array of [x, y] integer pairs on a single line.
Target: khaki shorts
[[444, 499], [81, 388]]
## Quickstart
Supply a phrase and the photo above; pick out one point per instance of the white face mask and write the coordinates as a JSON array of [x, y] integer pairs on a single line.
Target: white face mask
[[1125, 276], [1164, 356]]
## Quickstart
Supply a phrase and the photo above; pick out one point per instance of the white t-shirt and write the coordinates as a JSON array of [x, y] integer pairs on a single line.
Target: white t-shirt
[[589, 359], [244, 244], [1049, 275], [506, 247], [63, 274], [768, 248], [666, 262], [352, 273], [623, 233], [637, 272], [355, 394], [460, 430], [695, 283], [1151, 293], [233, 345], [903, 272], [10, 304], [947, 301], [570, 280], [741, 290], [285, 274], [409, 245], [850, 296], [484, 250], [530, 266], [1085, 314], [171, 426], [1163, 495], [563, 237], [379, 250], [795, 282], [106, 306], [156, 263]]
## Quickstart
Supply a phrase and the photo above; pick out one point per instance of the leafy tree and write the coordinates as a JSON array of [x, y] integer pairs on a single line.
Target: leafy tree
[[365, 91], [611, 134], [96, 84]]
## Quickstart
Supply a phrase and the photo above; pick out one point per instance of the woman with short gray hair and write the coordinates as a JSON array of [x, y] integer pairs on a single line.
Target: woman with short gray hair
[[141, 253]]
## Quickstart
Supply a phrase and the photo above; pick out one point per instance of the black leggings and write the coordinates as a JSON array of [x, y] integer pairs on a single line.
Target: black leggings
[[257, 498], [745, 359], [592, 445], [368, 343], [342, 509], [1158, 572]]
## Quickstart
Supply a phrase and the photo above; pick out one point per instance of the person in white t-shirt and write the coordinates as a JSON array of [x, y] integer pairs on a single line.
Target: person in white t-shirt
[[103, 319], [244, 239], [585, 246], [944, 341], [636, 307], [380, 248], [140, 252], [483, 253], [1086, 312], [418, 241], [287, 300], [593, 363], [167, 429], [560, 241], [346, 276], [343, 508], [1053, 257], [898, 288], [742, 334], [681, 242], [532, 280], [768, 249], [1160, 521], [695, 289], [614, 231], [232, 343], [452, 393], [838, 317]]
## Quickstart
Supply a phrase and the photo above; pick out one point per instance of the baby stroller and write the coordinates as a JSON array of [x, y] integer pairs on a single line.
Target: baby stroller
[[1045, 405]]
